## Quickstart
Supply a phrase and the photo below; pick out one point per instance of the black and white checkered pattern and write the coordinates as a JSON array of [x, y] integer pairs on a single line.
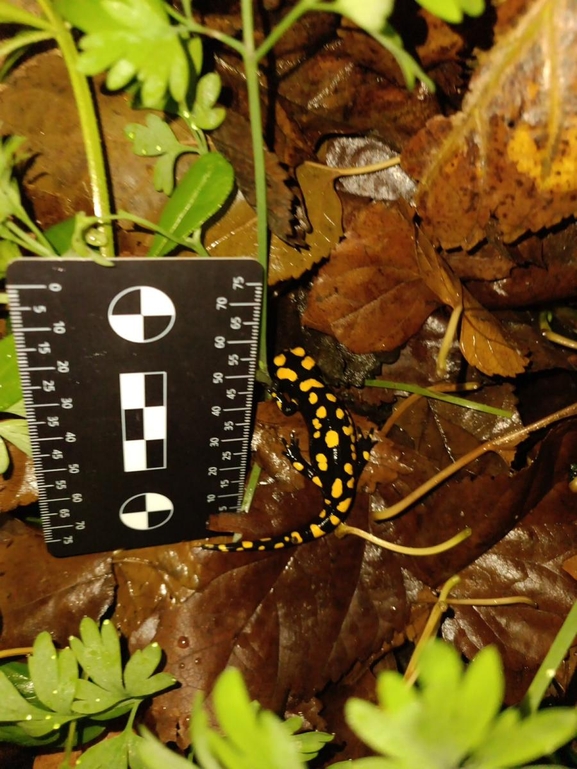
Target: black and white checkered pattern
[[143, 412], [141, 314], [146, 511]]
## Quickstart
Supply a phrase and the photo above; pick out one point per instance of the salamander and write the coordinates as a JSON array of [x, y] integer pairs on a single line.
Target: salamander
[[337, 451]]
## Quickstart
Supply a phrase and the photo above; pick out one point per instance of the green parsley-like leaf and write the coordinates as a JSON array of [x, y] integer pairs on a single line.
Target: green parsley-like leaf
[[10, 14], [16, 431], [453, 11], [53, 673], [200, 194], [154, 755], [98, 652], [371, 15], [204, 114], [10, 389], [113, 753], [9, 251], [131, 39], [139, 680], [157, 138]]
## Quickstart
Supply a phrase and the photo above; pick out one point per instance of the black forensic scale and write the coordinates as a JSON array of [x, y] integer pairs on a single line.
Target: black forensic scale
[[138, 383]]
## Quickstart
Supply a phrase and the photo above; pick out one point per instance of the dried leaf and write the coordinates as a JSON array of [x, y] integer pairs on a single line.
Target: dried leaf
[[370, 295], [510, 155]]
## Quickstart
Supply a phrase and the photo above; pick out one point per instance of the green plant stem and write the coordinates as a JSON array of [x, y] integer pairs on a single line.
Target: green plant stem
[[553, 659], [426, 393], [199, 29], [286, 22], [252, 83], [24, 240], [88, 123]]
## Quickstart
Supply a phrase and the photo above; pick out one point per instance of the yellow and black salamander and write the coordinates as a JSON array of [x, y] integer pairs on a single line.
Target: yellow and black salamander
[[337, 452]]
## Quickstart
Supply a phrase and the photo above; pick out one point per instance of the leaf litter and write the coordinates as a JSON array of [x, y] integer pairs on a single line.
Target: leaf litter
[[309, 626]]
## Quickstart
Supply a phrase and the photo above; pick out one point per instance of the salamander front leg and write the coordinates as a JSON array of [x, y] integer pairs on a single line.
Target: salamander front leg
[[294, 454]]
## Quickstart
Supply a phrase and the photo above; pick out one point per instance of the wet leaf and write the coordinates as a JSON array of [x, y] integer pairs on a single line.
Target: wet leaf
[[370, 295], [509, 155], [482, 339], [39, 592]]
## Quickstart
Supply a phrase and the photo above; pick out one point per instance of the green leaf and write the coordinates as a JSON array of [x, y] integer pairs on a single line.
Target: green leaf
[[527, 740], [108, 754], [480, 698], [94, 700], [371, 15], [60, 235], [156, 138], [9, 251], [16, 431], [11, 15], [139, 680], [453, 11], [154, 755], [202, 192], [10, 389], [131, 39], [4, 458], [54, 674], [394, 693], [98, 652]]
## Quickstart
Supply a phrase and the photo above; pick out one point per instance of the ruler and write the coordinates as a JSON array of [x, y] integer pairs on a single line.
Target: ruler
[[138, 384]]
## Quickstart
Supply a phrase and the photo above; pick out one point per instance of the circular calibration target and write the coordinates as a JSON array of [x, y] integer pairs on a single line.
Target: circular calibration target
[[141, 314], [146, 511]]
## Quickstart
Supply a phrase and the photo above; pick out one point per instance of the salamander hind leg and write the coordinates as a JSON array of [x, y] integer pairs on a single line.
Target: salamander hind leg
[[294, 454]]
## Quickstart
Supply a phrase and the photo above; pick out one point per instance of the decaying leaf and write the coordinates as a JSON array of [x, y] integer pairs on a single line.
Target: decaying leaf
[[529, 561], [370, 295], [510, 155], [236, 232], [482, 339], [39, 592]]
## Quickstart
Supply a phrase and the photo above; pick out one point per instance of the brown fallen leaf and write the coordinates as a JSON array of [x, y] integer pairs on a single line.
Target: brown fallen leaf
[[18, 486], [482, 339], [40, 592], [510, 155], [236, 232], [370, 295], [528, 561]]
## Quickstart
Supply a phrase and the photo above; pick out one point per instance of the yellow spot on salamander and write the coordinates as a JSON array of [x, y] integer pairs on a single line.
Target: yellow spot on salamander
[[366, 455], [348, 468], [335, 520], [298, 466], [298, 351], [308, 384], [317, 423], [296, 538], [247, 545], [348, 430], [323, 513], [340, 414], [343, 506], [337, 489], [351, 483], [279, 545], [316, 531], [317, 434], [280, 360], [313, 398], [317, 481], [321, 412], [332, 398], [308, 363], [287, 373], [322, 462], [332, 439]]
